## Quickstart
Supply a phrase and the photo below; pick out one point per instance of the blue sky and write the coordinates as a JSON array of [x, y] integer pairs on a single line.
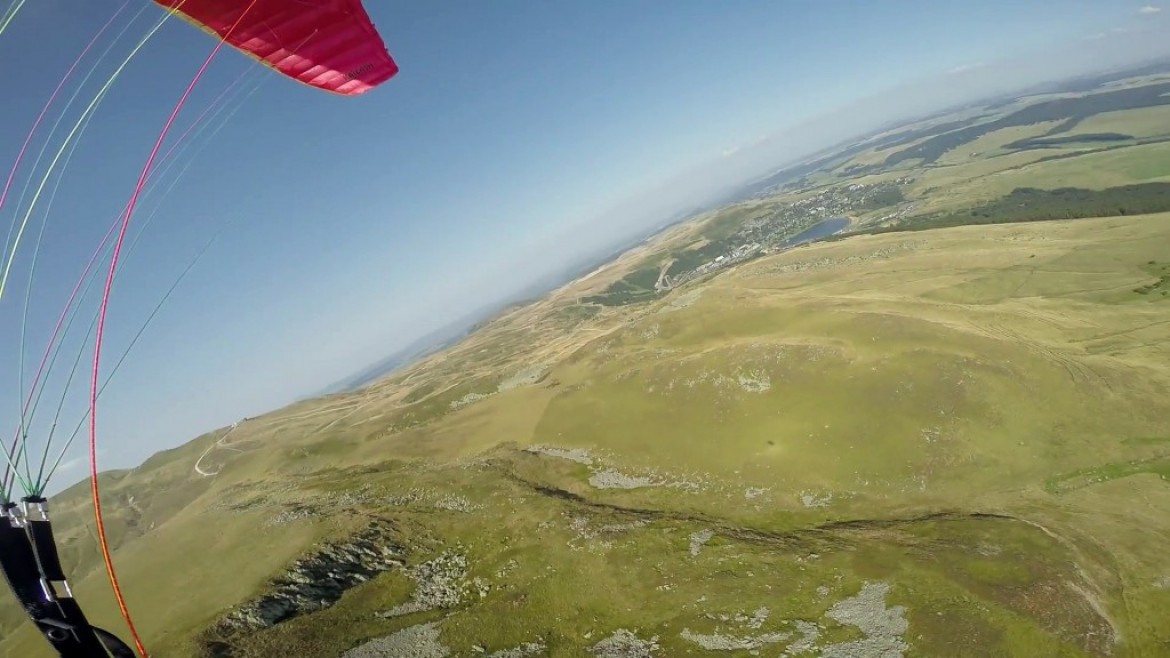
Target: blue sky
[[518, 135]]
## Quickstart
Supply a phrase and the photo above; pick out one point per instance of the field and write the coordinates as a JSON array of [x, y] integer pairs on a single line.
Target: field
[[946, 442]]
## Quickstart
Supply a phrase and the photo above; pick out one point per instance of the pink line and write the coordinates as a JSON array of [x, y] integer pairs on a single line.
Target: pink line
[[199, 119], [97, 350], [53, 97], [16, 165], [97, 252]]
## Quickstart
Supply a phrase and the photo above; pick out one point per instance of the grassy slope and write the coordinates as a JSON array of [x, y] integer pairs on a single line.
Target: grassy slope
[[863, 359], [1005, 369], [1134, 164], [982, 170], [961, 370], [1144, 122]]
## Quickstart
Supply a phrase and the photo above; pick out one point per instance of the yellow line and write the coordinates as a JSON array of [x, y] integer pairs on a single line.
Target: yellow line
[[10, 14], [11, 256]]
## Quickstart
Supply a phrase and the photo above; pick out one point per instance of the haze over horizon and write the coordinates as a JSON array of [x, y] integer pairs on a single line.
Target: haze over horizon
[[511, 144]]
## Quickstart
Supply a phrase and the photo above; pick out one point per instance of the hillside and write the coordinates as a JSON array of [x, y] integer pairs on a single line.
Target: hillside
[[907, 408], [944, 442]]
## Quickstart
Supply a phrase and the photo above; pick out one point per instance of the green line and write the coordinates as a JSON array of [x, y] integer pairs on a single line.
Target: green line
[[69, 104], [61, 116], [13, 462], [69, 138], [26, 418], [150, 194], [10, 14], [61, 405], [44, 181], [41, 483]]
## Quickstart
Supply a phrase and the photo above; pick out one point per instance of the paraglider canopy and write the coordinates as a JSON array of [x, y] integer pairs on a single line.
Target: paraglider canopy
[[328, 44]]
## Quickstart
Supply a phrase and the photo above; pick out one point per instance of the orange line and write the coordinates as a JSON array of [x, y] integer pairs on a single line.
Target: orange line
[[94, 492]]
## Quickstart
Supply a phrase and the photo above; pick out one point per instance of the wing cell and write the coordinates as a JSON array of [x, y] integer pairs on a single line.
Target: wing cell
[[327, 44]]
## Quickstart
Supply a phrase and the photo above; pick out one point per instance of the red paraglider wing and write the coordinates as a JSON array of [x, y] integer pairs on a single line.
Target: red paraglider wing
[[328, 44]]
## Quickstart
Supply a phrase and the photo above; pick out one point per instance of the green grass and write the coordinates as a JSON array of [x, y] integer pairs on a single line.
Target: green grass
[[576, 314], [726, 223], [1147, 440], [1080, 140], [1027, 204], [883, 198], [1070, 111], [569, 591], [899, 387], [436, 405], [1094, 170], [420, 392], [1161, 284], [993, 143], [635, 287], [976, 416], [689, 259], [985, 168], [1145, 122], [1085, 477]]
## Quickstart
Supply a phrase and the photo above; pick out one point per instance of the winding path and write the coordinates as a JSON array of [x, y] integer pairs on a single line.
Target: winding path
[[219, 443]]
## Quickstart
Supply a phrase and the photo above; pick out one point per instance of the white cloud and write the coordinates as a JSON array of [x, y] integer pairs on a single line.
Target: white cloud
[[1149, 10], [1111, 32], [80, 460], [71, 464], [966, 67]]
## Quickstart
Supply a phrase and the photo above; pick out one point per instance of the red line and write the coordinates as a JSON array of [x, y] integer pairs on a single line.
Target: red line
[[93, 259], [93, 470], [199, 119], [24, 150]]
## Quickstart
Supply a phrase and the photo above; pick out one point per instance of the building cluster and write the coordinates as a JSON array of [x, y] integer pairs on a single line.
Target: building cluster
[[774, 230]]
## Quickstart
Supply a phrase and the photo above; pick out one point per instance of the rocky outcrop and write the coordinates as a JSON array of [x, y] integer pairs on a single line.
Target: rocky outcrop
[[441, 583], [625, 644], [317, 581], [883, 626]]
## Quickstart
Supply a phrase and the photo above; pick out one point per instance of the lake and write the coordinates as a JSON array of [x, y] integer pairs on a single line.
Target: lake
[[817, 231]]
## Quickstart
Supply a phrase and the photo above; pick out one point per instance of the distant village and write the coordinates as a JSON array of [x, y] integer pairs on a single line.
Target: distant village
[[789, 226]]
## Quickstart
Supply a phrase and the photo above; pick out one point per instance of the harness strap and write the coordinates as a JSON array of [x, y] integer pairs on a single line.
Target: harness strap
[[32, 566]]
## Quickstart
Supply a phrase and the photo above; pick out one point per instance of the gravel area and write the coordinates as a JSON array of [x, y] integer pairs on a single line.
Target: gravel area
[[523, 651], [719, 642], [614, 479], [579, 455], [420, 641], [698, 539], [525, 377], [625, 644], [883, 627], [440, 583]]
